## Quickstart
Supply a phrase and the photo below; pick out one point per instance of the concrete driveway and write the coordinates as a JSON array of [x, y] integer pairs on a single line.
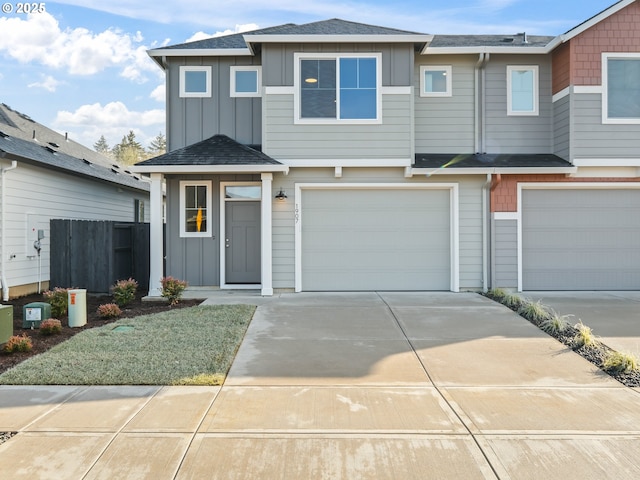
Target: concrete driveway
[[347, 386], [613, 316]]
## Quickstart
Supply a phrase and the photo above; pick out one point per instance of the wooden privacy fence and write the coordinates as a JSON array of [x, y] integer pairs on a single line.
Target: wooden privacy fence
[[96, 254]]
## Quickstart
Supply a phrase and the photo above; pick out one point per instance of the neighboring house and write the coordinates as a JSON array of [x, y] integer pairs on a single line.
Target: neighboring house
[[340, 156], [44, 176]]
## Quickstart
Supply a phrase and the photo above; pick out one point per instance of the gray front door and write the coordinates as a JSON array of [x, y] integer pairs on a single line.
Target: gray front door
[[242, 242]]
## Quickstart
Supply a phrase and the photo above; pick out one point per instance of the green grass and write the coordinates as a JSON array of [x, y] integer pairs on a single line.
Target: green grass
[[193, 346]]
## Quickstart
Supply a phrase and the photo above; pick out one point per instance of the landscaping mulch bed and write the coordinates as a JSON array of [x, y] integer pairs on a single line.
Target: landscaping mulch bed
[[42, 343]]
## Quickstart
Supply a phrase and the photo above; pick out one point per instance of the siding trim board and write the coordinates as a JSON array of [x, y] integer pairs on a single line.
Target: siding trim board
[[557, 186], [453, 223]]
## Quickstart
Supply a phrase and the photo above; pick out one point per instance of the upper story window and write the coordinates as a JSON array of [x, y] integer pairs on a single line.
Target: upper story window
[[621, 87], [195, 81], [195, 209], [522, 90], [436, 81], [246, 81], [338, 88]]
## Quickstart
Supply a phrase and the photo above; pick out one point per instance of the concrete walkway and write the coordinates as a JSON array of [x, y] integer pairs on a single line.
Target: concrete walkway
[[347, 386]]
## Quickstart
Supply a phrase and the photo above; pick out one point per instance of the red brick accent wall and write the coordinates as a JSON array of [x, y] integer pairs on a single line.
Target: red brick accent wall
[[618, 33], [504, 197], [561, 67]]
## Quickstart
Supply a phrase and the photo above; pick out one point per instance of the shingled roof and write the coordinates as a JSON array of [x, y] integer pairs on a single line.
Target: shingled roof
[[489, 161]]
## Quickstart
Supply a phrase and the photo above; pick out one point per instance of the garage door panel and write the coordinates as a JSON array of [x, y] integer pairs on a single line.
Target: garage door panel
[[389, 239], [581, 239]]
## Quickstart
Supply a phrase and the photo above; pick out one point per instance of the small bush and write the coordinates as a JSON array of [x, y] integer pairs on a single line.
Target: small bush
[[109, 310], [51, 326], [512, 300], [617, 362], [173, 289], [584, 337], [556, 324], [124, 291], [58, 298], [18, 343], [534, 311], [497, 293]]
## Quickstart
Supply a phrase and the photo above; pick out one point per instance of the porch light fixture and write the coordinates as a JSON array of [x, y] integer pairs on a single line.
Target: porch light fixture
[[281, 195]]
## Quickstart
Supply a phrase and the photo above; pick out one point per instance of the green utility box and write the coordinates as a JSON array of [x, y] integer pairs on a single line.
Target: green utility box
[[6, 323], [34, 313]]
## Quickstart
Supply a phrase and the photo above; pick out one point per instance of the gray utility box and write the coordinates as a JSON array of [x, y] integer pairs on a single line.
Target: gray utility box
[[34, 313], [6, 323]]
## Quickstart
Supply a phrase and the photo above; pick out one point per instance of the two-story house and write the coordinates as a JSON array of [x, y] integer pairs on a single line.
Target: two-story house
[[341, 156]]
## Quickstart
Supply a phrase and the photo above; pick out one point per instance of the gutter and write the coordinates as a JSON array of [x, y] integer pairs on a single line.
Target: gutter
[[3, 278]]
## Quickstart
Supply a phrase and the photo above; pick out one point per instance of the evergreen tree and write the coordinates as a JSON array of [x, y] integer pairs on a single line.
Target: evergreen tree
[[128, 151], [101, 146], [158, 146]]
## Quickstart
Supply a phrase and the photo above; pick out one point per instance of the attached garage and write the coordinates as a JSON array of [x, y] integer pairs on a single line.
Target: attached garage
[[376, 237], [580, 238]]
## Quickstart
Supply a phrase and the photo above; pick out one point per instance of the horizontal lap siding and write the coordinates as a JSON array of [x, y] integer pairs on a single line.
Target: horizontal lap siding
[[446, 124], [593, 139], [391, 139]]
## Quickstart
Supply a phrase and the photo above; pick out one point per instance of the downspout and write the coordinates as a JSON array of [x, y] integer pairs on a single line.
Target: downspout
[[485, 235], [3, 278], [483, 110], [476, 99]]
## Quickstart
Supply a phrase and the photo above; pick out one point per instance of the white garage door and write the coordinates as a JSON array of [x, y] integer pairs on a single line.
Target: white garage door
[[375, 239], [581, 239]]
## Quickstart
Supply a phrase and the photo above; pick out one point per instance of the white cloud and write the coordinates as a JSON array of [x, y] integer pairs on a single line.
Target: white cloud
[[159, 94], [247, 27], [48, 83], [39, 39], [112, 120]]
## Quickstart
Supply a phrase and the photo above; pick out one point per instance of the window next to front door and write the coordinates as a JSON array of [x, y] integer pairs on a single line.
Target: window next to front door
[[195, 209]]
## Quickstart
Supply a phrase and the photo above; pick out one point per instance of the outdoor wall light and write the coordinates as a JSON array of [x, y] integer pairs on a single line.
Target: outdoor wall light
[[281, 195]]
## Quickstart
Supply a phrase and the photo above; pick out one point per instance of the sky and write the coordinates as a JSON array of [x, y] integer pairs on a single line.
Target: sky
[[81, 66]]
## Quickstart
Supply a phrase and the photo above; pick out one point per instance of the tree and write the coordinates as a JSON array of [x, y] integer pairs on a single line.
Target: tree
[[128, 151], [101, 146], [158, 145]]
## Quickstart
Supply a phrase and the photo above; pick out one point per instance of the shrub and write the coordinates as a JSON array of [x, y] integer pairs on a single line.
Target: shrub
[[556, 324], [124, 291], [58, 299], [172, 289], [51, 326], [109, 310], [584, 337], [617, 362], [512, 300], [497, 293], [18, 343], [534, 311]]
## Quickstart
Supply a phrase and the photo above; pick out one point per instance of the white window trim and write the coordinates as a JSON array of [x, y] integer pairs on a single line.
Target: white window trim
[[247, 68], [209, 217], [298, 57], [436, 68], [536, 93], [184, 93], [605, 89]]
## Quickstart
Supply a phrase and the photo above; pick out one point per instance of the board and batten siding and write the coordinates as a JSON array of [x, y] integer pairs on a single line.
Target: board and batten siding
[[504, 253], [285, 140], [511, 133], [35, 196], [562, 127], [592, 138], [190, 120], [284, 217], [446, 124]]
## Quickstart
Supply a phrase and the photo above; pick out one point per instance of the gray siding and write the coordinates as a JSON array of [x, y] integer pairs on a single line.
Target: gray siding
[[593, 139], [562, 127], [391, 139], [517, 134], [190, 120], [397, 61], [504, 254], [470, 220], [446, 124]]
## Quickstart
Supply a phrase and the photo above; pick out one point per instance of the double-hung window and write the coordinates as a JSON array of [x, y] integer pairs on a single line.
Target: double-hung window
[[621, 88], [522, 90], [195, 209], [338, 88]]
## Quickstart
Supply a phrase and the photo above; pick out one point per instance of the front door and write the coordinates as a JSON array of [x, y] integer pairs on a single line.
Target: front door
[[242, 242]]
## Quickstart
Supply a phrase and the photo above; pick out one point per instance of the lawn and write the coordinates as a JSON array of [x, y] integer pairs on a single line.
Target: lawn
[[189, 346]]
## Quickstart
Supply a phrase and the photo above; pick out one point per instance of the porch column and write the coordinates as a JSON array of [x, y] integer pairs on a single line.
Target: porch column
[[156, 252], [265, 228]]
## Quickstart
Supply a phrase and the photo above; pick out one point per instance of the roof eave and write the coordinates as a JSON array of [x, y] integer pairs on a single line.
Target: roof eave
[[493, 170], [409, 38], [200, 52], [484, 49], [170, 169]]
